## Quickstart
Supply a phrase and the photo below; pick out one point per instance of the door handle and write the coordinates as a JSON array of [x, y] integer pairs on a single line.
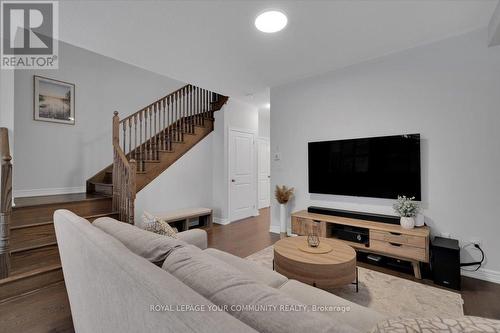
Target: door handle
[[232, 180]]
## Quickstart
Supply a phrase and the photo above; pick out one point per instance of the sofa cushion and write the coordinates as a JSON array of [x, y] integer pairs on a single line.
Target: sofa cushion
[[438, 325], [111, 289], [342, 310], [230, 289], [196, 237], [146, 244], [249, 268]]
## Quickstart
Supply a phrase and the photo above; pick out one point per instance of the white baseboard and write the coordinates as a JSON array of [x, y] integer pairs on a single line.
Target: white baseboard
[[222, 221], [275, 229], [48, 191], [483, 274]]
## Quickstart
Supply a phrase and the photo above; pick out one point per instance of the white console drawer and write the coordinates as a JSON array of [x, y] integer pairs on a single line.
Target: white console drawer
[[399, 250]]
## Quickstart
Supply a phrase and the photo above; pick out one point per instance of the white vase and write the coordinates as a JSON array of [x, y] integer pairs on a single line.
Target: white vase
[[407, 222], [282, 220], [419, 220]]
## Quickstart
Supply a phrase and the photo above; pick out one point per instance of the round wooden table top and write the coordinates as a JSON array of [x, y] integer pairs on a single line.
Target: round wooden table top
[[324, 270], [289, 248]]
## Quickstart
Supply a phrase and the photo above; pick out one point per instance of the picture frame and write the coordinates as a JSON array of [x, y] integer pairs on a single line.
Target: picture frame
[[53, 100]]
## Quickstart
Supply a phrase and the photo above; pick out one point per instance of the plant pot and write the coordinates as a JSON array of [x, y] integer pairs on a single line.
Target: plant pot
[[419, 220], [283, 220], [407, 222]]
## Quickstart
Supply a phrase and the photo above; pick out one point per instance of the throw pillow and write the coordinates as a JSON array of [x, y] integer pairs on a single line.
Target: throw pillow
[[148, 245], [158, 226]]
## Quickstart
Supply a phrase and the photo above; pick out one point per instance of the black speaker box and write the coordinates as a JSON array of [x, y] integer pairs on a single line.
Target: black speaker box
[[445, 262]]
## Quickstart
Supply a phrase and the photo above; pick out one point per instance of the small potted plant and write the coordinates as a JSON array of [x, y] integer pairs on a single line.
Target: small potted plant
[[407, 209], [283, 194]]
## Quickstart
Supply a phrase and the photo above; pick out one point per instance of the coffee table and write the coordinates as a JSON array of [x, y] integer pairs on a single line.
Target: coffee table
[[326, 270]]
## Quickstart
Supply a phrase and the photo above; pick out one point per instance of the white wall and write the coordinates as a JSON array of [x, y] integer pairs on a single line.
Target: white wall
[[264, 123], [235, 114], [186, 183], [54, 157], [448, 91], [7, 102]]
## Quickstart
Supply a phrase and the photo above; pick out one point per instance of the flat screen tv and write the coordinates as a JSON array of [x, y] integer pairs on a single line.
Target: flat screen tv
[[379, 167]]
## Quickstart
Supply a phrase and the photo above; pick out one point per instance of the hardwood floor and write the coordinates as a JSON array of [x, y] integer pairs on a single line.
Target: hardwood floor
[[50, 307], [242, 238]]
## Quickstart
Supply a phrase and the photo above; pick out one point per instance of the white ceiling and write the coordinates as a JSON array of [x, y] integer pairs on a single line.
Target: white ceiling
[[214, 43]]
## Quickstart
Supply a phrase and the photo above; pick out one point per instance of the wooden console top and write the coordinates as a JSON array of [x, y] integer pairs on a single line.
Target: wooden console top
[[420, 231], [384, 238]]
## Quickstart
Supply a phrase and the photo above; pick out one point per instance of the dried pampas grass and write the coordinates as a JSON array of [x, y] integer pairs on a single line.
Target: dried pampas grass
[[283, 194]]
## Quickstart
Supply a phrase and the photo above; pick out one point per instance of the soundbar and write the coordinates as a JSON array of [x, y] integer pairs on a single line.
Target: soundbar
[[354, 215]]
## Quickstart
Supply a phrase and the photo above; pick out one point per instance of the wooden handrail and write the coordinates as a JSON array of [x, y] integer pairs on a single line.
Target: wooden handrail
[[5, 202], [180, 90], [140, 137]]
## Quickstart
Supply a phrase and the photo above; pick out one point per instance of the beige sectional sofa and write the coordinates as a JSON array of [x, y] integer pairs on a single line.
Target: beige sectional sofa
[[123, 279], [113, 289]]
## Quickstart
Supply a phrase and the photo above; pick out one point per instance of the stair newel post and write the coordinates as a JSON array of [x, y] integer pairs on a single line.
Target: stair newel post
[[5, 210], [131, 191], [116, 144]]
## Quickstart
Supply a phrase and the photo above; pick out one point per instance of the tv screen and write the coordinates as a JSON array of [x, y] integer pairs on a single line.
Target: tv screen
[[379, 167]]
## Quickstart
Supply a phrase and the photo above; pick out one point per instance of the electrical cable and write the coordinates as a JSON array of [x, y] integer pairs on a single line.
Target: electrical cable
[[478, 263]]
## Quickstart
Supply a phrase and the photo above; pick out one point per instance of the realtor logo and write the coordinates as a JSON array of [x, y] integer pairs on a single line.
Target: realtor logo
[[29, 33]]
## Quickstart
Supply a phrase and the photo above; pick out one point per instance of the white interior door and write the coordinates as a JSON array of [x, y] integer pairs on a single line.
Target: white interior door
[[242, 200], [263, 173]]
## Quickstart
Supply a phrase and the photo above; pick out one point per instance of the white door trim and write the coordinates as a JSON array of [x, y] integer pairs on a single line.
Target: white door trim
[[254, 173]]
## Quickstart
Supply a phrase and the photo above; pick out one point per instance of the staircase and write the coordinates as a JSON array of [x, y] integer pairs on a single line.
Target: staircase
[[145, 144]]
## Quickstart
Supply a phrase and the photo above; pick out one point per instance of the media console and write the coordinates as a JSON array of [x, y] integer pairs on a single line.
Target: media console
[[369, 236]]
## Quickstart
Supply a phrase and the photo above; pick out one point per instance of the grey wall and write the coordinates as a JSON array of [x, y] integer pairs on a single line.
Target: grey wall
[[54, 157], [448, 91]]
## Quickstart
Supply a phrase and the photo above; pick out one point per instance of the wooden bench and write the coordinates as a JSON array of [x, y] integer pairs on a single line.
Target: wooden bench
[[185, 219]]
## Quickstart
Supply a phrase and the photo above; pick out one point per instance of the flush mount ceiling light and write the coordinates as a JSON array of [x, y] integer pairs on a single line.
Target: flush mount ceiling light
[[271, 21]]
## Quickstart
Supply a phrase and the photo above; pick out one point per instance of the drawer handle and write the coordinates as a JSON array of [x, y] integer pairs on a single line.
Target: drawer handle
[[395, 244], [395, 233]]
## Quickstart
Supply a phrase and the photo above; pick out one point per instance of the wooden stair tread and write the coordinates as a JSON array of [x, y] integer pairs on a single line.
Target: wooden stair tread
[[42, 213], [56, 199], [22, 262], [100, 183], [45, 309], [33, 247], [28, 274], [87, 217]]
